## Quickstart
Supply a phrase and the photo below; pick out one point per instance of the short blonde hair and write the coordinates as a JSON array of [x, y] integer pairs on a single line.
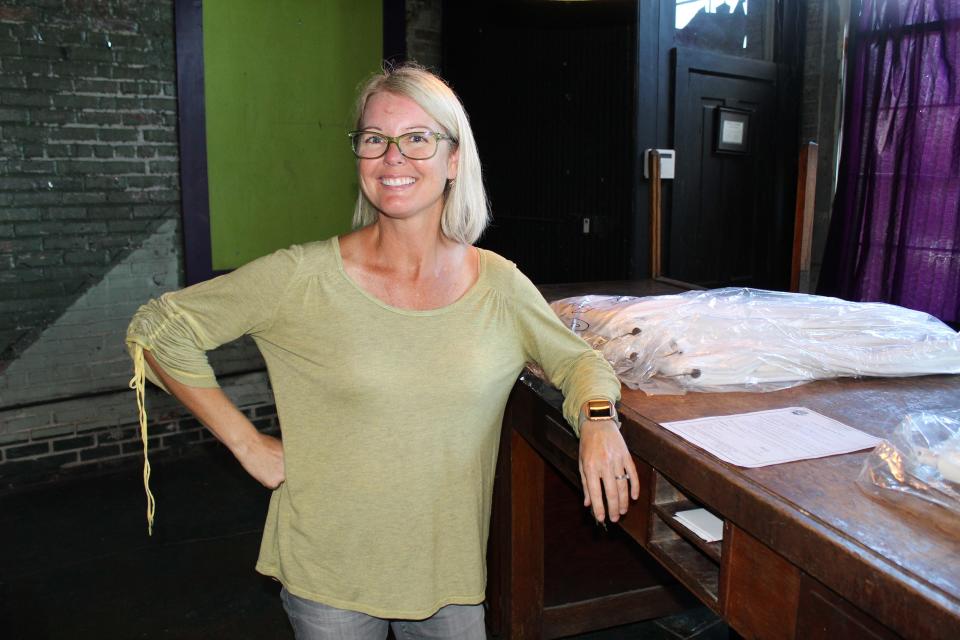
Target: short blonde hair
[[466, 211]]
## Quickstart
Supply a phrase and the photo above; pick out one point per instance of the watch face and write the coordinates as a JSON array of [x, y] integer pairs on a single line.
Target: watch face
[[599, 410]]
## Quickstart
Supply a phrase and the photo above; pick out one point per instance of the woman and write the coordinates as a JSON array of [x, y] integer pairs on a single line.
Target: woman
[[391, 351]]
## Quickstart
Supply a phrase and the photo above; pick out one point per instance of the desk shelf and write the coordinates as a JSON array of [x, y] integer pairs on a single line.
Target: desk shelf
[[666, 512], [695, 562]]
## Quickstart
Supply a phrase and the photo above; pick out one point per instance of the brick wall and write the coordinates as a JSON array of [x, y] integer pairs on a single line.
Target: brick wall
[[87, 120], [91, 434], [89, 230]]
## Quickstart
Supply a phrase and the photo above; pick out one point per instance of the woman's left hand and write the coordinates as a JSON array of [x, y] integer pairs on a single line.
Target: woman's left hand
[[606, 469]]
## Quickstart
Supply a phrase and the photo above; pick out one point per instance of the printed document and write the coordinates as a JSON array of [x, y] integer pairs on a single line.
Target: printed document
[[770, 437]]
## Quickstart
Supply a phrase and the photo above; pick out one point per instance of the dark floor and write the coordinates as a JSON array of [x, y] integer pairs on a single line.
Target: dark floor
[[77, 562]]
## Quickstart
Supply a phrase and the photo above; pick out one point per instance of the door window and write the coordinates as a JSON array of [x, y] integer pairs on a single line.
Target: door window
[[734, 27]]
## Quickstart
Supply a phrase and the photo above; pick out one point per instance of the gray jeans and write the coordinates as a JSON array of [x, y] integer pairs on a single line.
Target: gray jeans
[[314, 621]]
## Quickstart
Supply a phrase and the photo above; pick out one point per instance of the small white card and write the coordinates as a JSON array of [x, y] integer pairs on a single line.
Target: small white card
[[732, 132], [770, 437], [701, 522]]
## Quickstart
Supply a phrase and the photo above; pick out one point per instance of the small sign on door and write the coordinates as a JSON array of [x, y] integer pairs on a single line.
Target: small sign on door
[[732, 129]]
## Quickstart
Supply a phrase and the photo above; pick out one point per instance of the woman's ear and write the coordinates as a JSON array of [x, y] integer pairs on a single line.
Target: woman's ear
[[453, 163]]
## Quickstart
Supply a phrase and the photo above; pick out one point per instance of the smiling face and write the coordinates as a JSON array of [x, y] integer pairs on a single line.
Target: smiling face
[[396, 186]]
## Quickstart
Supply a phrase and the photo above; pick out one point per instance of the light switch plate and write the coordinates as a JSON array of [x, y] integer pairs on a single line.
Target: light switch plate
[[667, 161]]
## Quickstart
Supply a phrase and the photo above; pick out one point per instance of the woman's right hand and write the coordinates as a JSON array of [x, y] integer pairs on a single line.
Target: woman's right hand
[[262, 458]]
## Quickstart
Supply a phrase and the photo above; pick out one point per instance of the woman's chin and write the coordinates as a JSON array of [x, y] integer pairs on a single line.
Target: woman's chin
[[406, 213]]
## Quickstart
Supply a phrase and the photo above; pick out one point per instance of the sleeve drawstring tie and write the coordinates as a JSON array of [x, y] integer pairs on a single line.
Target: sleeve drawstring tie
[[137, 383]]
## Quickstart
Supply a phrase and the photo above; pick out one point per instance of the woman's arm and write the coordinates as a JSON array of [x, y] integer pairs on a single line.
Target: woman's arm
[[261, 455], [606, 466]]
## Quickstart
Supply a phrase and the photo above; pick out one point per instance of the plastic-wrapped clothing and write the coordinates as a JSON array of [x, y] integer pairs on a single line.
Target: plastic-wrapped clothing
[[390, 417], [921, 459], [749, 339]]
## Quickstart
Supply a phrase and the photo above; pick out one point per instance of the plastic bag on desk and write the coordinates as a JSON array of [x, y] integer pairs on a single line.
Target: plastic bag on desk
[[627, 335], [921, 459], [755, 340]]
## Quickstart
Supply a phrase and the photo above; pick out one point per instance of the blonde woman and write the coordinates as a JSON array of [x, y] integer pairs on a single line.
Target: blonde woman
[[391, 351]]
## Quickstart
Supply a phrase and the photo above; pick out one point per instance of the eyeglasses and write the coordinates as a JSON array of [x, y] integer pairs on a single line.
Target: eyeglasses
[[416, 145]]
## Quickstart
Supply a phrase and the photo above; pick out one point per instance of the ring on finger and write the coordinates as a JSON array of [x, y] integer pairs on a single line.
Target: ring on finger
[[625, 476]]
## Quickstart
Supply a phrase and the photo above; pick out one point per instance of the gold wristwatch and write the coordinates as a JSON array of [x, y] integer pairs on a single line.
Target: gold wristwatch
[[597, 411]]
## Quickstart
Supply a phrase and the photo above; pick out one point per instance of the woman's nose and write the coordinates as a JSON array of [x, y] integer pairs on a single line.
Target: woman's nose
[[393, 155]]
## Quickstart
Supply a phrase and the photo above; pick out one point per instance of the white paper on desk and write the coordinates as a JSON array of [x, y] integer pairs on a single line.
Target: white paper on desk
[[701, 522], [762, 438]]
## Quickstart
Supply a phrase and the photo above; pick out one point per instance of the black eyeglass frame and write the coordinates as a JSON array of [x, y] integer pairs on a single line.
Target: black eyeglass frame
[[396, 140]]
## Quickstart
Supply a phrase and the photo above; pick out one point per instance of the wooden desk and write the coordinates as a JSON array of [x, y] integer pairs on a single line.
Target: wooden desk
[[806, 553]]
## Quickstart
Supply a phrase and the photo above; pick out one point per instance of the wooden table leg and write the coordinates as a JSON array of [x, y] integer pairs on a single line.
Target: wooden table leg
[[526, 541]]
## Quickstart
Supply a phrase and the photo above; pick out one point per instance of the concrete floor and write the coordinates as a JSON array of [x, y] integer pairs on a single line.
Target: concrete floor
[[77, 562]]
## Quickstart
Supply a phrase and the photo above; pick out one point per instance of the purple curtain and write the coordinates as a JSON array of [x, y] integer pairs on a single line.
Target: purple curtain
[[895, 231]]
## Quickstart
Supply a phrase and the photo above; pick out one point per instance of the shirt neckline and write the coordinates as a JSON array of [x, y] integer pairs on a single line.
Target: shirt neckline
[[469, 293]]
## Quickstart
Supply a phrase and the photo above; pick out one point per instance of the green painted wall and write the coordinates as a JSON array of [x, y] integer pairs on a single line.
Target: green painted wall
[[280, 80]]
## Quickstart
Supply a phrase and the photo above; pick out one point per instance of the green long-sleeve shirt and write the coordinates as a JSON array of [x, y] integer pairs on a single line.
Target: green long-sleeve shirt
[[390, 417]]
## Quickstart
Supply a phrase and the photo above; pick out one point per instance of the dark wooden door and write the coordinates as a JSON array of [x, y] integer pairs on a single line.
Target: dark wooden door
[[549, 87], [727, 215], [722, 228]]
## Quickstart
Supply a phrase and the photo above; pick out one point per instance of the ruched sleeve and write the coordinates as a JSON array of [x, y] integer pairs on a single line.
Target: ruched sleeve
[[180, 327], [580, 372]]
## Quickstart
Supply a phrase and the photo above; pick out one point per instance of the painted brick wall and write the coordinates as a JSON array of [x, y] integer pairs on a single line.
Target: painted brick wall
[[87, 120], [90, 434], [89, 230]]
